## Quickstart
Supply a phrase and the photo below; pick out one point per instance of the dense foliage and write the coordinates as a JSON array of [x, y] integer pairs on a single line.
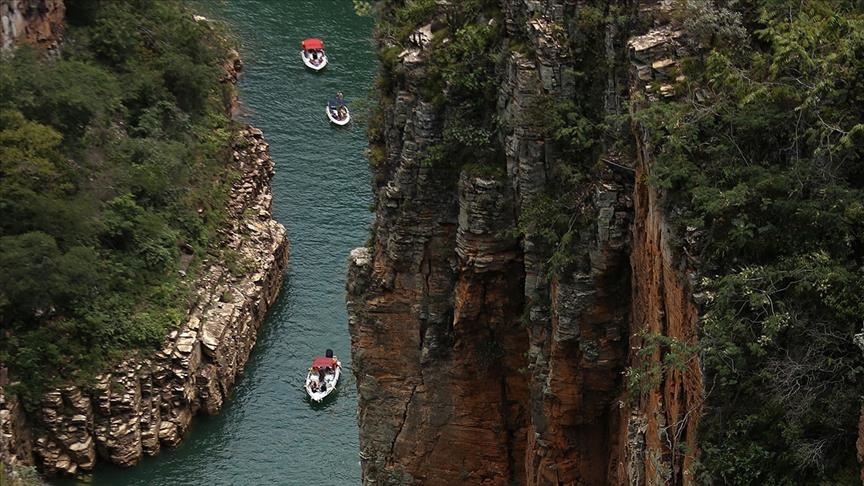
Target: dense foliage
[[763, 160], [459, 78], [112, 173]]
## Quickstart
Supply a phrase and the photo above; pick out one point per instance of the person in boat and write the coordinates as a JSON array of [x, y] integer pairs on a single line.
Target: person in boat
[[329, 352], [314, 386]]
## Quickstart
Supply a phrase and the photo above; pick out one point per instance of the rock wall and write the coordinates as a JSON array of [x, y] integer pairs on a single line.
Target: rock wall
[[861, 443], [16, 443], [146, 402], [446, 288], [434, 322], [35, 22]]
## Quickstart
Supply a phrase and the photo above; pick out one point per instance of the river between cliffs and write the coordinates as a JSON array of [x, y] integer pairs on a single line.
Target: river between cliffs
[[268, 433]]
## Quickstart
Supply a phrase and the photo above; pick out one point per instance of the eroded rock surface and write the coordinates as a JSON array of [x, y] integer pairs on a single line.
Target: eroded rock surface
[[477, 362], [35, 22]]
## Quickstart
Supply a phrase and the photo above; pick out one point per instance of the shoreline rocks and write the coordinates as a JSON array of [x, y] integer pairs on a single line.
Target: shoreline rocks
[[146, 402]]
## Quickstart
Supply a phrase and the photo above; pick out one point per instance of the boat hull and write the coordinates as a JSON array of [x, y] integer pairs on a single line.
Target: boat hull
[[336, 121], [307, 60], [331, 379]]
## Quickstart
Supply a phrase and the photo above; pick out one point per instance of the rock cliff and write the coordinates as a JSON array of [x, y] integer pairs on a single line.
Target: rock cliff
[[479, 362], [146, 402], [35, 22]]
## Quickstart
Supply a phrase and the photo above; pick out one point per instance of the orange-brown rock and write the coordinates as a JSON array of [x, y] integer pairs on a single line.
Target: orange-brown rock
[[35, 22], [861, 443], [443, 278]]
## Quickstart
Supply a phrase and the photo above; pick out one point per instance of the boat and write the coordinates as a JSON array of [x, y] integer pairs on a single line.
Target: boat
[[337, 111], [323, 376], [312, 52]]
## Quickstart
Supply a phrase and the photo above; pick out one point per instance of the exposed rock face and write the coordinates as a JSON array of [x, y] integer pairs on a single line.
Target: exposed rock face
[[16, 444], [433, 321], [35, 22], [861, 443], [439, 292], [143, 403]]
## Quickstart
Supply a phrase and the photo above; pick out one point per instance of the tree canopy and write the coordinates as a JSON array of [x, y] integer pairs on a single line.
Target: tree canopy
[[112, 157]]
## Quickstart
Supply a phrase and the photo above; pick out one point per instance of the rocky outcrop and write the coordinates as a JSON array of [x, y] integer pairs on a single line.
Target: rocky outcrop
[[433, 320], [35, 22], [437, 293], [145, 402]]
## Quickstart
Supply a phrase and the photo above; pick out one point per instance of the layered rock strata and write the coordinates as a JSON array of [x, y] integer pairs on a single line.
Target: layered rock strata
[[146, 402], [446, 287], [35, 22]]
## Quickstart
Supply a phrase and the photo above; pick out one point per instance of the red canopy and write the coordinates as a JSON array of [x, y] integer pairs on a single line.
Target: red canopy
[[322, 362], [312, 43]]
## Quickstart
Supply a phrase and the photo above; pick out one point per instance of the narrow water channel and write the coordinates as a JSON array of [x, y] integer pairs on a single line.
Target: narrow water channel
[[268, 433]]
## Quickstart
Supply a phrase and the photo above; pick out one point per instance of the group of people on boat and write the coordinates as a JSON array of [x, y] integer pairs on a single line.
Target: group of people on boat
[[314, 50], [338, 108], [321, 367]]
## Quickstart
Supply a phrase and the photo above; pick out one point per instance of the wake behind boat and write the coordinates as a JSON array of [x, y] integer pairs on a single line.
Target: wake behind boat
[[312, 52], [337, 111], [323, 376]]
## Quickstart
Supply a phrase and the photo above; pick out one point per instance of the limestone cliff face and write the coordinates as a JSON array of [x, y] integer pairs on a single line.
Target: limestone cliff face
[[35, 22], [476, 361]]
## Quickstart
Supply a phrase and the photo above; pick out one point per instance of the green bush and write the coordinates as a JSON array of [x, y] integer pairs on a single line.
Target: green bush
[[767, 173], [112, 156]]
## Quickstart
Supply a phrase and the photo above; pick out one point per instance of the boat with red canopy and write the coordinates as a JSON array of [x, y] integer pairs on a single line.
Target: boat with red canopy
[[312, 53], [323, 376]]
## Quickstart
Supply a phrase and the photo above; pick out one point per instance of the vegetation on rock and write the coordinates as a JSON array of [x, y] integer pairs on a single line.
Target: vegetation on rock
[[763, 162], [760, 158], [112, 164]]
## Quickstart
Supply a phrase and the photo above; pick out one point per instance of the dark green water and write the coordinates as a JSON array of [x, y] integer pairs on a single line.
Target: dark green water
[[268, 433]]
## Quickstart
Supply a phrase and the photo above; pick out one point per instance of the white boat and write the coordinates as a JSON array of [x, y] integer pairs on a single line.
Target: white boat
[[338, 112], [312, 53], [323, 376]]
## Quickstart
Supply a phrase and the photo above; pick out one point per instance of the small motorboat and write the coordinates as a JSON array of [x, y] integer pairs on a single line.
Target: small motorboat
[[312, 52], [337, 111], [323, 376]]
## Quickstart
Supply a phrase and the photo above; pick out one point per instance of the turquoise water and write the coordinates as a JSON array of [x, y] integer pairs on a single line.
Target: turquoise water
[[268, 433]]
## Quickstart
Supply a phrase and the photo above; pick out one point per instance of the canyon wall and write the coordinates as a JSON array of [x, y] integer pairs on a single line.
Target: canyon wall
[[35, 22], [478, 362]]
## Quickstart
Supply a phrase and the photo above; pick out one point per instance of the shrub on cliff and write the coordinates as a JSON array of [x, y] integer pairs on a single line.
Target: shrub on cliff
[[112, 155], [765, 168]]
